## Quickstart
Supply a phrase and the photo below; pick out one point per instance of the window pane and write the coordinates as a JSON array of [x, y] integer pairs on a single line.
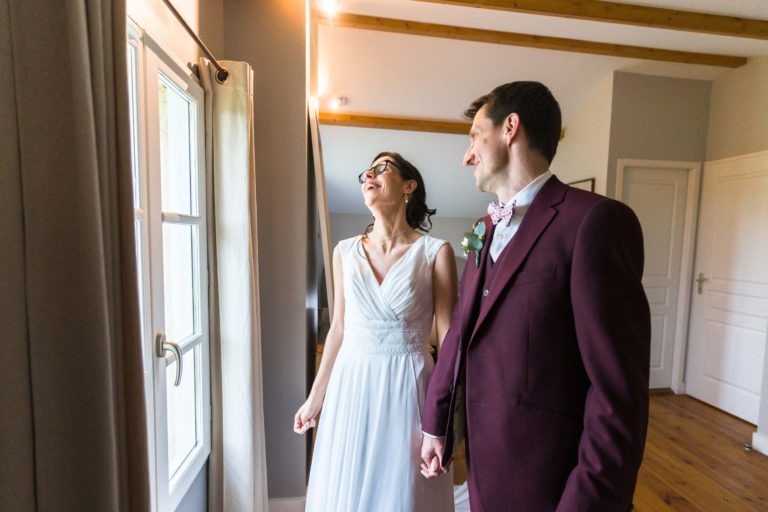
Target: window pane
[[134, 117], [139, 233], [183, 404], [180, 249], [178, 147]]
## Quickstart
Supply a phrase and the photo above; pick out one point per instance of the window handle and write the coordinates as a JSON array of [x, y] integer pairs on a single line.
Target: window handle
[[164, 345]]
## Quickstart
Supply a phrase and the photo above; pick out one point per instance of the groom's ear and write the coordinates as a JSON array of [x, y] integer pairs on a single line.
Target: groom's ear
[[511, 127]]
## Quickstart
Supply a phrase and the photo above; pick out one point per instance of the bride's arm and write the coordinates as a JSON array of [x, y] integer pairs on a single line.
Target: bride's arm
[[307, 413], [444, 290], [445, 294]]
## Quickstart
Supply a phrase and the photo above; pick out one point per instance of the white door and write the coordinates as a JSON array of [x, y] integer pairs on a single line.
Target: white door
[[729, 310], [170, 220], [658, 193]]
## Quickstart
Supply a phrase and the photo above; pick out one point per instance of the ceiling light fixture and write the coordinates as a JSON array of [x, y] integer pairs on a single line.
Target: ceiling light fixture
[[338, 102], [330, 7]]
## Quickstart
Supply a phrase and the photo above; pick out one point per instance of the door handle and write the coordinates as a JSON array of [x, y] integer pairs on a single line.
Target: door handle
[[164, 345], [700, 281]]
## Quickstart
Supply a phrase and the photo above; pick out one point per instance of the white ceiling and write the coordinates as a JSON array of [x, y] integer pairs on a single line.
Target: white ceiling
[[391, 74]]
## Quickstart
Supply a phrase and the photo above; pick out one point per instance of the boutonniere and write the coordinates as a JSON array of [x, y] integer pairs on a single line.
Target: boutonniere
[[473, 241]]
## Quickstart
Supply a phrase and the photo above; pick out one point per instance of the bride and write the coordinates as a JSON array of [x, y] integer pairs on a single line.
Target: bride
[[390, 284]]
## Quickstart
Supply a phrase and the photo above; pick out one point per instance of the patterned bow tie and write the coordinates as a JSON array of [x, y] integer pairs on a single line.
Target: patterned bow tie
[[499, 213]]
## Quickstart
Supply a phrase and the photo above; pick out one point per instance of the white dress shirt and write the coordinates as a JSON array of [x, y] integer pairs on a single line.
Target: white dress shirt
[[522, 201]]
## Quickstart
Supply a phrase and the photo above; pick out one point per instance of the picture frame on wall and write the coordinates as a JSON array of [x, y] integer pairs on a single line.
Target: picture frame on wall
[[587, 184]]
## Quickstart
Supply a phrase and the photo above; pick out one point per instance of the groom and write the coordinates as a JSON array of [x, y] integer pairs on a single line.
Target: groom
[[551, 334]]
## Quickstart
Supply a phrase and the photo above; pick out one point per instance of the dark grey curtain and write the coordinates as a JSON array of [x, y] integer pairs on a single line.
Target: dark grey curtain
[[72, 414]]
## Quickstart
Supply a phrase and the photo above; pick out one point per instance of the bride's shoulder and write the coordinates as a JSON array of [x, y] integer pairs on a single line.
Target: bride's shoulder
[[431, 241], [433, 245], [346, 244]]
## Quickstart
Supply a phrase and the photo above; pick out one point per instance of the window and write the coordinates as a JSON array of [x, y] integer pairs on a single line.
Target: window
[[167, 144]]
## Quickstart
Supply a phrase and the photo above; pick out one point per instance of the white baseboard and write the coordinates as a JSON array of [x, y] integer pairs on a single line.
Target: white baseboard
[[287, 504], [760, 443]]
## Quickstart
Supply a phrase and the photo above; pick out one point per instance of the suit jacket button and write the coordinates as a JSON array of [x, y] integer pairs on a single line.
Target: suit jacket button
[[485, 292]]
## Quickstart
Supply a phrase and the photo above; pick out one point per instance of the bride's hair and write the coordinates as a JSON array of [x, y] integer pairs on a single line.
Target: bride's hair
[[417, 213]]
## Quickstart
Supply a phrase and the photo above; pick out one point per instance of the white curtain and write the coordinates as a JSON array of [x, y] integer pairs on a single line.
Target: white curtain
[[238, 468], [72, 415]]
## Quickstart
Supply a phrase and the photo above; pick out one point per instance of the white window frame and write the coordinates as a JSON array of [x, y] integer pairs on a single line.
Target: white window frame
[[151, 59]]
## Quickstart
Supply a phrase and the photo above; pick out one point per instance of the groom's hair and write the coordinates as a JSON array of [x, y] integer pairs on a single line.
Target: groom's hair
[[538, 110]]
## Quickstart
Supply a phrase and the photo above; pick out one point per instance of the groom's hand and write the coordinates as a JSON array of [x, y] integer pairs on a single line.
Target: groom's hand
[[432, 449]]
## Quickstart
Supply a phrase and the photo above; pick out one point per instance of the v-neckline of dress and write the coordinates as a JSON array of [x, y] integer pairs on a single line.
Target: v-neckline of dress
[[368, 265]]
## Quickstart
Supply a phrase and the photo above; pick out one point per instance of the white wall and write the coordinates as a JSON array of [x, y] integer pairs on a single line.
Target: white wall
[[738, 116], [760, 438], [583, 152], [271, 36]]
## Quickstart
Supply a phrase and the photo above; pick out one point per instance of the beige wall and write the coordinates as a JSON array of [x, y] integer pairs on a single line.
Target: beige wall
[[346, 225], [271, 36], [657, 118], [206, 17], [738, 116], [583, 152], [634, 116]]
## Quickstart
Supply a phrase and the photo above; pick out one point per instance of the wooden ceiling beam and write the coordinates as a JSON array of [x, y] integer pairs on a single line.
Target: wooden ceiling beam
[[398, 123], [628, 14], [531, 41], [395, 123]]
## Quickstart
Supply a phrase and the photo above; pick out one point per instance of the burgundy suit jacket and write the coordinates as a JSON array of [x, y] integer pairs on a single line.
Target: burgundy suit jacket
[[556, 362]]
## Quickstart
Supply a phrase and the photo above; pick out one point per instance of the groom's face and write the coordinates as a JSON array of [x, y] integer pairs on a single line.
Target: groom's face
[[487, 151]]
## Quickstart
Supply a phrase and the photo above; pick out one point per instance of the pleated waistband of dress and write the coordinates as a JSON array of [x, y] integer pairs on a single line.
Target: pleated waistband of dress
[[384, 337]]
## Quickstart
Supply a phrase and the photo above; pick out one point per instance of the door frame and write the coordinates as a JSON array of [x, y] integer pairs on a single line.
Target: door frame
[[680, 342]]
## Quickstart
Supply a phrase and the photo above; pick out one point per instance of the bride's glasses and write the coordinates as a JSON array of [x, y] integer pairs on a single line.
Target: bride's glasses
[[376, 170]]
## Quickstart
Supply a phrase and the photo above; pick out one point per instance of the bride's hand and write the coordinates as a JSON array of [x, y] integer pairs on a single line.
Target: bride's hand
[[306, 415]]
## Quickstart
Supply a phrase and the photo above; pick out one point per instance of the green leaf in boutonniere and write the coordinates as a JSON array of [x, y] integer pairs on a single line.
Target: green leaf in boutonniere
[[473, 241]]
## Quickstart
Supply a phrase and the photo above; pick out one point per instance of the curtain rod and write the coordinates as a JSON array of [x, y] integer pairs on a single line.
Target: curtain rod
[[221, 72]]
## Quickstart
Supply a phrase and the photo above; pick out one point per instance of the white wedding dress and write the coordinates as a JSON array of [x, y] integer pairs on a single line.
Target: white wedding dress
[[367, 452]]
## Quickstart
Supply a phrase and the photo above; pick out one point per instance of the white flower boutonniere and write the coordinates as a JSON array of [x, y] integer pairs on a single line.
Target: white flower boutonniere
[[473, 241]]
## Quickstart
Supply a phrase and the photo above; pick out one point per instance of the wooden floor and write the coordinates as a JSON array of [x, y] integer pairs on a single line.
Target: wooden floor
[[695, 461]]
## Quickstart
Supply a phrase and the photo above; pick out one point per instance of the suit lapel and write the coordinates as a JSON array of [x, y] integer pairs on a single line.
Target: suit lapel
[[475, 279], [535, 222]]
